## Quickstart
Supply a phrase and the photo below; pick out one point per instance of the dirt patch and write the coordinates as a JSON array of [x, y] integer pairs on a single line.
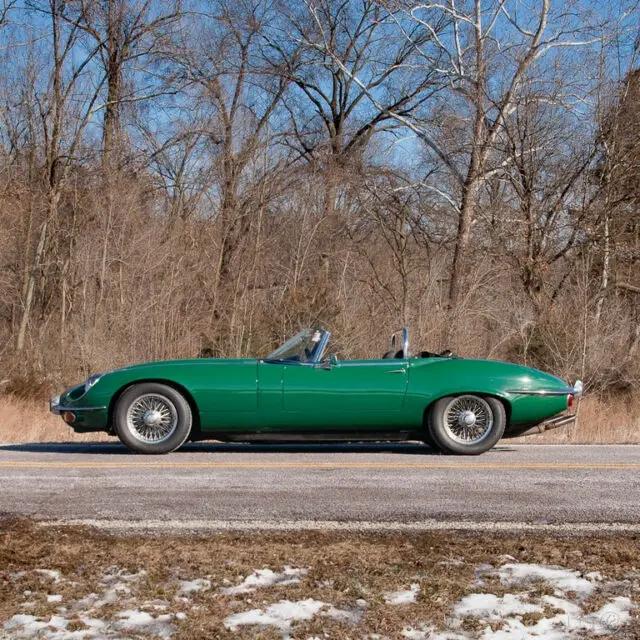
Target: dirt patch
[[307, 584]]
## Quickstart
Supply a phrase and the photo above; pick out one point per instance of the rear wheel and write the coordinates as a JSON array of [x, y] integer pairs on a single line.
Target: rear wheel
[[152, 418], [466, 424]]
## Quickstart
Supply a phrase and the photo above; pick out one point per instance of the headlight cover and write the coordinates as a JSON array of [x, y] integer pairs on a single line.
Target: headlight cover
[[91, 380]]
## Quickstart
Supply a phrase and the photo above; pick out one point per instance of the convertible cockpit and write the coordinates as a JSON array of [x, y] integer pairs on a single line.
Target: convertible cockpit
[[309, 347]]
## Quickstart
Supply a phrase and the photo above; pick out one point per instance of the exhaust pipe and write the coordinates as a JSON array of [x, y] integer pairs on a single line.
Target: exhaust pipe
[[547, 425]]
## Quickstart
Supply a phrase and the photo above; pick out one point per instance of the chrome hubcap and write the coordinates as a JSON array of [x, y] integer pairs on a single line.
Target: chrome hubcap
[[468, 419], [152, 418]]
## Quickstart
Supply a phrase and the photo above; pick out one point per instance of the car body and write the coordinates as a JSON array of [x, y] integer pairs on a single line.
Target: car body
[[459, 405]]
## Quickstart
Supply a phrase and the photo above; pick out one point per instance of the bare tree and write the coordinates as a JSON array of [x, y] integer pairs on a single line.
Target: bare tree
[[238, 95], [326, 48], [62, 122], [484, 54], [127, 35]]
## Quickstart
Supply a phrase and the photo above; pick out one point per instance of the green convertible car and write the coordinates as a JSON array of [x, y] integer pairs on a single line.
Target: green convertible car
[[457, 405]]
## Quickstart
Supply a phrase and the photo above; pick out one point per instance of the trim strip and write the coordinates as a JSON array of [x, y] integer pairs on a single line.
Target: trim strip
[[544, 392], [58, 409]]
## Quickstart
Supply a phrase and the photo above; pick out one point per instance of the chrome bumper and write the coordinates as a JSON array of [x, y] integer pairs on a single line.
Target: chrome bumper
[[547, 425], [54, 406], [57, 409]]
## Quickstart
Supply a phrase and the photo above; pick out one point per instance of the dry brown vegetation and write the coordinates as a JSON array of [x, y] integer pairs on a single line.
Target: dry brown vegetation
[[174, 185], [342, 568]]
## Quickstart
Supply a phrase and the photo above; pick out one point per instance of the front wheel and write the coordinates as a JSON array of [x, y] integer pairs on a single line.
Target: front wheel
[[152, 418], [466, 424]]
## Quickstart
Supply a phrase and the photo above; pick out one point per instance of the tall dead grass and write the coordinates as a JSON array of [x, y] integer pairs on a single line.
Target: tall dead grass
[[599, 422], [30, 421]]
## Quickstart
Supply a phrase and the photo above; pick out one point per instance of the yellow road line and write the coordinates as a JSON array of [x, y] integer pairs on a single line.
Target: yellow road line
[[30, 464]]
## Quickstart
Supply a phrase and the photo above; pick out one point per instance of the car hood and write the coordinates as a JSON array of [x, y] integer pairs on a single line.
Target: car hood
[[185, 362]]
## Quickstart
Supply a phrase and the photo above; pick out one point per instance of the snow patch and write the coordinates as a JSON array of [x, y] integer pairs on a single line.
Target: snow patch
[[610, 616], [509, 609], [487, 605], [265, 578], [281, 615], [49, 573], [192, 586], [403, 597], [561, 579], [412, 633], [144, 622]]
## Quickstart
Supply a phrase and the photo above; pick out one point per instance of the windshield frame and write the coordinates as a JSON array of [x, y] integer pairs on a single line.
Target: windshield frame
[[301, 338]]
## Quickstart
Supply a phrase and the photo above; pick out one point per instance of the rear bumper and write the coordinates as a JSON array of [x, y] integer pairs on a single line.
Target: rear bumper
[[547, 425]]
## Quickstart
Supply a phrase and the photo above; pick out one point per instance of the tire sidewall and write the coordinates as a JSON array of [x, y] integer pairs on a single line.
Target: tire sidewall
[[448, 445], [177, 438]]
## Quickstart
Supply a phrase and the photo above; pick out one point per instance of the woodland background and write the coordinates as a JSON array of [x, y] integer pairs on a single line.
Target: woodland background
[[191, 177]]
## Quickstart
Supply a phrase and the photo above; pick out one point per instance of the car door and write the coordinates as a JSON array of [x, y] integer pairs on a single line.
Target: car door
[[354, 393]]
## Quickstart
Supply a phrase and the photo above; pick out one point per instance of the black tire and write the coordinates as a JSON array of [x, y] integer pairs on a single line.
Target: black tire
[[427, 439], [143, 431], [449, 435]]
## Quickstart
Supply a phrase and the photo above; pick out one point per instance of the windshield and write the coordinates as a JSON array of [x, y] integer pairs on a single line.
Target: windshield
[[302, 347]]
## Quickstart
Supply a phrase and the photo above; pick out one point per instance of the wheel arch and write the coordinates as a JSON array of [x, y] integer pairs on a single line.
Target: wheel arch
[[195, 413], [505, 403]]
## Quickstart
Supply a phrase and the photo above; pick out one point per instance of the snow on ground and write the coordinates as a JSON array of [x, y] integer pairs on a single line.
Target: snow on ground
[[281, 615], [116, 587], [403, 597], [525, 612], [190, 586], [561, 579], [54, 575], [285, 613], [507, 613], [487, 605], [265, 578]]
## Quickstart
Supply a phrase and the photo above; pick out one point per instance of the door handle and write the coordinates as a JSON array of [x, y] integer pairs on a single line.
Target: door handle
[[397, 371]]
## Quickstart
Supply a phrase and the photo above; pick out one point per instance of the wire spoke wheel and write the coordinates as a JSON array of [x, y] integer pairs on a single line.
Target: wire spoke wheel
[[152, 418], [468, 419]]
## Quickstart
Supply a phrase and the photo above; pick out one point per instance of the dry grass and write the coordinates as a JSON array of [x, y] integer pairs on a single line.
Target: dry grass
[[599, 423], [30, 421], [342, 568]]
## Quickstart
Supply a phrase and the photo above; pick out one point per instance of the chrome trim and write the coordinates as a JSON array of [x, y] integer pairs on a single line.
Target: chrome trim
[[576, 390], [405, 342], [322, 345], [543, 392], [391, 362], [58, 409]]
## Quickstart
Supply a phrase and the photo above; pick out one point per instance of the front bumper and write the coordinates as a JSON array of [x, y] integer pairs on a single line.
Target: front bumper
[[58, 409], [82, 419]]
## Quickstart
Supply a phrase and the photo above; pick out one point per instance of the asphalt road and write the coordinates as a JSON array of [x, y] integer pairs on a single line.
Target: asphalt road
[[254, 486]]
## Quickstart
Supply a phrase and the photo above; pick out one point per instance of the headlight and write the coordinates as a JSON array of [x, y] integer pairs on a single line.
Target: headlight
[[91, 380]]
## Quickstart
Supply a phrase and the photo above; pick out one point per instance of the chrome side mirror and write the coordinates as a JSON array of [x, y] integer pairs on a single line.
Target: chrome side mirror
[[330, 362]]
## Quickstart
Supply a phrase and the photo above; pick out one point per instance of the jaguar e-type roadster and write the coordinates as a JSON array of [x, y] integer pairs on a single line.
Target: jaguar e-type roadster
[[456, 405]]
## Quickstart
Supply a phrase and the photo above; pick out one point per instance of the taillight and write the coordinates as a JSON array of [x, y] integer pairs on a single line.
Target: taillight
[[570, 400]]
